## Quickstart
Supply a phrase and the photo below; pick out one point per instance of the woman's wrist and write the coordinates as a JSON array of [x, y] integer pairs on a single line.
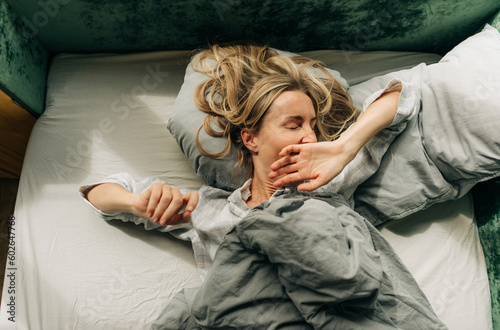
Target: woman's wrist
[[349, 145], [111, 198], [131, 204], [377, 116]]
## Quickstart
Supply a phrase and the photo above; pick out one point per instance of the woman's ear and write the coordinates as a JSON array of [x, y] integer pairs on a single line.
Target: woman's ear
[[248, 138]]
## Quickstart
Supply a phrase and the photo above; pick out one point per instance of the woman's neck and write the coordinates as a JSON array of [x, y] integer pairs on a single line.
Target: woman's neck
[[261, 190]]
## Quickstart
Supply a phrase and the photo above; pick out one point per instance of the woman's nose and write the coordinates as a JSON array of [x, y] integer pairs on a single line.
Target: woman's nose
[[309, 136]]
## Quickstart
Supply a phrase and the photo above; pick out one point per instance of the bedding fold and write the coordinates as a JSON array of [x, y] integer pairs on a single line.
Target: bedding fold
[[303, 261]]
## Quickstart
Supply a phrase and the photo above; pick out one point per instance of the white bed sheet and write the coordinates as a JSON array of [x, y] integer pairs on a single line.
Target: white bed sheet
[[107, 113]]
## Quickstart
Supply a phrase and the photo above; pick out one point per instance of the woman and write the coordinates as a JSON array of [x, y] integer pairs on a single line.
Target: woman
[[275, 112], [275, 109], [292, 122]]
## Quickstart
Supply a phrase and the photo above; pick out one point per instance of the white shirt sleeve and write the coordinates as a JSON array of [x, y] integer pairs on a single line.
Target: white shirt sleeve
[[136, 185], [368, 159]]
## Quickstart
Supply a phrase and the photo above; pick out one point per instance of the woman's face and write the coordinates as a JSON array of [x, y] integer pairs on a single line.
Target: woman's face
[[289, 120]]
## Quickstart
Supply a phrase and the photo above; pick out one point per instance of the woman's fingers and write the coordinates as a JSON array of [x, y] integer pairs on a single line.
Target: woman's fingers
[[289, 155], [281, 163], [287, 169], [288, 180], [180, 207], [291, 149], [287, 166], [165, 205], [153, 195], [191, 201], [284, 161], [296, 177], [311, 185], [170, 206], [319, 162]]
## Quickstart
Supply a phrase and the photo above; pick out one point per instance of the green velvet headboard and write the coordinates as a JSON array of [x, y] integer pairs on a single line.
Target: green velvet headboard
[[23, 63], [487, 208], [31, 31], [131, 25]]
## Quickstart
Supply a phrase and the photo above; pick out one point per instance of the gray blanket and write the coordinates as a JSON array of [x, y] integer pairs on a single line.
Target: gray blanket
[[299, 262]]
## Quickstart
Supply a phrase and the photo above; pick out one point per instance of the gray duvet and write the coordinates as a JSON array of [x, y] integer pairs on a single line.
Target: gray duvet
[[299, 262]]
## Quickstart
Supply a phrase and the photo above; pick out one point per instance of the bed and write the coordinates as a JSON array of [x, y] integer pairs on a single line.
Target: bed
[[108, 113]]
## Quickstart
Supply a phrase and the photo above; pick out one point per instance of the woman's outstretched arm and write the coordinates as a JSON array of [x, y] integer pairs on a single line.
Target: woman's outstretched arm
[[159, 203], [323, 161]]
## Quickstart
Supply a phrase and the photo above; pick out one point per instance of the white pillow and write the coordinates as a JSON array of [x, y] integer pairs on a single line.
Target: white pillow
[[453, 143]]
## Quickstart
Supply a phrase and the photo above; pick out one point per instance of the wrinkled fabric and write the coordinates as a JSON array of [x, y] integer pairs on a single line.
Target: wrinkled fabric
[[299, 262]]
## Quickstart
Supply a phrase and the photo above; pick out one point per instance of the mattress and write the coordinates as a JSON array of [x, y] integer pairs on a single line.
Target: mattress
[[107, 113]]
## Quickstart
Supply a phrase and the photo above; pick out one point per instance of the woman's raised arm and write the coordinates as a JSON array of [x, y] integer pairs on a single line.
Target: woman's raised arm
[[323, 161]]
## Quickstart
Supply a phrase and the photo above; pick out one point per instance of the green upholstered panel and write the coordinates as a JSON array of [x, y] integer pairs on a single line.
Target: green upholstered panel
[[129, 25], [495, 21], [487, 208], [23, 62]]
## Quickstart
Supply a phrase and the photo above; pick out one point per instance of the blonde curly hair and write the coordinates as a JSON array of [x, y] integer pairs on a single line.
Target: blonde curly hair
[[245, 79]]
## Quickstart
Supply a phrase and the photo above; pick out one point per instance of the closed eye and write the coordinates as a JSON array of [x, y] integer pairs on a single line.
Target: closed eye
[[313, 123], [293, 124], [296, 122]]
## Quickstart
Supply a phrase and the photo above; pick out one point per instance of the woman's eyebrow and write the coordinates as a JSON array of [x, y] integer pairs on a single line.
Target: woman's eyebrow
[[299, 117]]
